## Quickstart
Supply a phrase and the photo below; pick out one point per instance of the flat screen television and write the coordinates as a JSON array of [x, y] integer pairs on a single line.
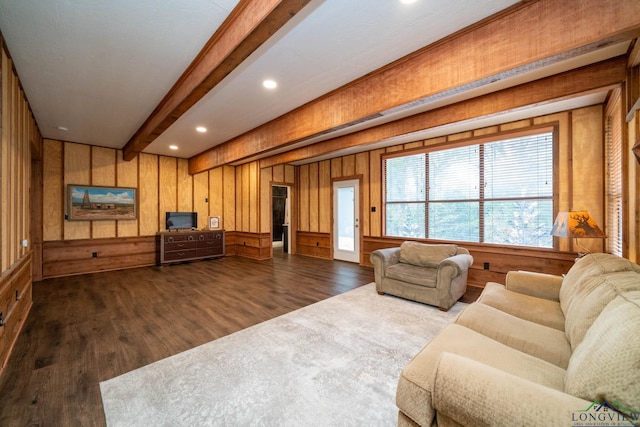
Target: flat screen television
[[181, 220]]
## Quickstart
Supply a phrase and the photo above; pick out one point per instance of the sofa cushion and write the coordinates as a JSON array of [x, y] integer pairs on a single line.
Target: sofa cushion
[[415, 386], [589, 286], [529, 337], [413, 274], [606, 364], [538, 310], [425, 255]]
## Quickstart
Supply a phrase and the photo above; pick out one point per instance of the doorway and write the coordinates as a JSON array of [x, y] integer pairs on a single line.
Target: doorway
[[346, 220], [280, 202]]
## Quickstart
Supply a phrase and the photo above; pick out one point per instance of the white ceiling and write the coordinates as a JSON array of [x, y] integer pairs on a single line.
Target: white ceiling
[[99, 68]]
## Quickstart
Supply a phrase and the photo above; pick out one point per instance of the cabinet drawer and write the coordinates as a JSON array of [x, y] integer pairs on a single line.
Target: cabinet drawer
[[178, 237], [180, 246], [206, 252], [210, 244], [179, 255]]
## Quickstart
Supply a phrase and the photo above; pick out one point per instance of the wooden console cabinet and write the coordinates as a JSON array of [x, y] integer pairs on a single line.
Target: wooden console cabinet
[[179, 246]]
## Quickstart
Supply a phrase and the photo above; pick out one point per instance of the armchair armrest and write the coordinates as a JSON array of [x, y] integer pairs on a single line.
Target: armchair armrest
[[459, 263], [538, 285], [472, 393], [383, 258]]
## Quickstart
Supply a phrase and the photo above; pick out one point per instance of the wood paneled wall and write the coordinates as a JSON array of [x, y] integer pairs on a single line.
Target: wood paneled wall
[[20, 141], [19, 133], [163, 183], [253, 208], [580, 186]]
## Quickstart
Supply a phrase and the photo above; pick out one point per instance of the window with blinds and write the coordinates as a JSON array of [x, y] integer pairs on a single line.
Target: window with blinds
[[496, 192], [613, 137]]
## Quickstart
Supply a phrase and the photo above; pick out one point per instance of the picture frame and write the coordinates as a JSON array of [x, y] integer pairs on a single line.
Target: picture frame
[[95, 203], [214, 223]]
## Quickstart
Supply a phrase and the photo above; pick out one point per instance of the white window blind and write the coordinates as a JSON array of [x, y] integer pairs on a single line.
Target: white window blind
[[497, 192], [613, 140]]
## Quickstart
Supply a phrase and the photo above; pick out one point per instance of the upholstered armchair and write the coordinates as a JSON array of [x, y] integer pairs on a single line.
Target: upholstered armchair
[[434, 274]]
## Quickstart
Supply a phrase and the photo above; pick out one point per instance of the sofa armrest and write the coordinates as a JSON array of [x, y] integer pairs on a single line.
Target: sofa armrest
[[460, 264], [472, 393], [538, 285]]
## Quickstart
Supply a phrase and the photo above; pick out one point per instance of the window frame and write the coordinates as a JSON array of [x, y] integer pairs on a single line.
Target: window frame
[[552, 127]]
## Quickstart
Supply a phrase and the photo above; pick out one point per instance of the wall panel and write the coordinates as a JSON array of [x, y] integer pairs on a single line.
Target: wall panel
[[53, 190], [303, 199], [168, 196], [185, 187], [349, 165], [103, 172], [324, 195], [200, 194], [254, 197], [588, 161], [229, 215], [314, 216], [375, 192], [216, 192], [362, 169], [77, 170], [266, 204], [127, 176], [278, 173], [148, 194]]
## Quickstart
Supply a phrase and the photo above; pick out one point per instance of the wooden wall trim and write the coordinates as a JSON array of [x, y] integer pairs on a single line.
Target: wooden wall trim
[[70, 257], [256, 246]]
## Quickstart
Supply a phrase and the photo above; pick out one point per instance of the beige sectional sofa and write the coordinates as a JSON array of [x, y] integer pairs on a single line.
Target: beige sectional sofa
[[539, 350]]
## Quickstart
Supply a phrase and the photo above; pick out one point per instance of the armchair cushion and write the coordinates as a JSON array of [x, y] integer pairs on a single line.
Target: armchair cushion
[[425, 255], [413, 274]]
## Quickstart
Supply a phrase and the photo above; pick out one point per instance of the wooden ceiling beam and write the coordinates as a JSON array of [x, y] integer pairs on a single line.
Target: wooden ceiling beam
[[561, 86], [529, 36], [249, 25]]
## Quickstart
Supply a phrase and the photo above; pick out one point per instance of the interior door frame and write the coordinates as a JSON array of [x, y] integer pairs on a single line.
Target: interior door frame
[[359, 195], [293, 229]]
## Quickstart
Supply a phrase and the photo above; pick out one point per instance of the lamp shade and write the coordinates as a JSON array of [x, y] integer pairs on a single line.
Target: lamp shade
[[577, 224]]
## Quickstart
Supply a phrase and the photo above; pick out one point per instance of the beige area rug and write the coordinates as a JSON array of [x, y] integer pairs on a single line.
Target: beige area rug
[[333, 363]]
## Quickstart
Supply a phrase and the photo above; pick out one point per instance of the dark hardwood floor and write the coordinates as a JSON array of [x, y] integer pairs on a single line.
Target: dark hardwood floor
[[85, 329]]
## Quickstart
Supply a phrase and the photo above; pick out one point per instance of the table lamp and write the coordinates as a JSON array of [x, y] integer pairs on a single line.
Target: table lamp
[[576, 224]]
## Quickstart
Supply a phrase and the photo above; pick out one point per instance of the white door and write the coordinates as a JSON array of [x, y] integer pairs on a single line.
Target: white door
[[346, 220]]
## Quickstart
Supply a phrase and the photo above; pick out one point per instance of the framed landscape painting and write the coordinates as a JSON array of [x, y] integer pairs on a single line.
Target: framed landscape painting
[[87, 203]]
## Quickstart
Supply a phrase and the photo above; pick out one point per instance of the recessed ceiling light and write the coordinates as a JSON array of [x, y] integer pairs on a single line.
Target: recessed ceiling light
[[408, 1], [270, 84], [63, 128], [201, 129], [173, 147]]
